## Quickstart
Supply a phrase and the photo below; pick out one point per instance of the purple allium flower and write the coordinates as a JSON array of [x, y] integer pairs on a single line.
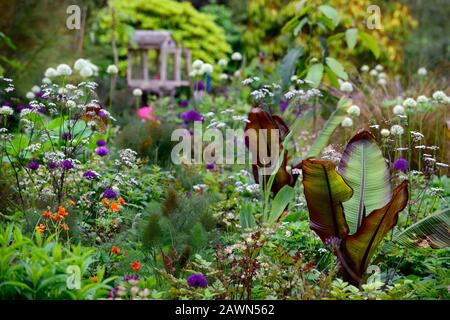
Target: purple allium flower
[[102, 151], [102, 114], [22, 107], [188, 194], [112, 293], [209, 166], [52, 165], [191, 116], [41, 110], [33, 165], [283, 105], [129, 277], [109, 193], [199, 86], [41, 95], [66, 136], [184, 103], [401, 165], [67, 164], [101, 143], [196, 280], [90, 175]]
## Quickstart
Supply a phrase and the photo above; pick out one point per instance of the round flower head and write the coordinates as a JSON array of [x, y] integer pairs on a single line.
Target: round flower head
[[33, 165], [35, 89], [184, 103], [222, 62], [422, 72], [46, 80], [373, 73], [365, 68], [236, 56], [86, 72], [197, 280], [346, 87], [71, 104], [112, 69], [223, 76], [207, 68], [409, 103], [381, 81], [52, 165], [200, 86], [397, 130], [50, 73], [210, 166], [137, 92], [347, 122], [193, 73], [439, 96], [63, 70], [80, 64], [379, 68], [6, 111], [135, 265], [354, 111], [66, 136], [102, 151], [422, 99], [109, 194], [30, 95], [191, 116], [197, 64], [401, 165], [67, 164], [385, 133], [101, 143], [90, 175], [398, 110]]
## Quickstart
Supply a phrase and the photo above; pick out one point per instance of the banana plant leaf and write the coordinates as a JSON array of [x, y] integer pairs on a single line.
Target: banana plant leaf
[[359, 248], [365, 170], [325, 191], [280, 202], [431, 232]]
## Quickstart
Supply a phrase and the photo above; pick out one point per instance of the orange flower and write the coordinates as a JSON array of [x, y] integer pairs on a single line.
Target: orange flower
[[105, 201], [57, 217], [115, 250], [72, 203], [122, 201], [94, 279], [62, 211], [115, 206], [113, 222], [40, 228], [65, 227], [47, 214], [136, 265]]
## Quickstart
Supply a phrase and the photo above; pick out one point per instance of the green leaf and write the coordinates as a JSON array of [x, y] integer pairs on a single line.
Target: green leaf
[[247, 219], [365, 170], [337, 68], [432, 231], [330, 13], [368, 41], [351, 36], [315, 73], [325, 191], [299, 27], [334, 81], [280, 202], [335, 119]]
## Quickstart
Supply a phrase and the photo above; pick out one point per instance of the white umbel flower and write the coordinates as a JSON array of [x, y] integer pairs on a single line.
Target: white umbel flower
[[63, 70], [410, 103], [197, 64], [222, 63], [86, 72], [422, 99], [30, 95], [365, 68], [236, 56], [397, 130], [422, 72], [373, 73], [112, 69], [46, 80], [385, 133], [80, 64], [398, 110], [6, 111], [439, 96], [354, 111], [346, 87], [35, 89], [137, 92], [50, 73], [381, 81], [347, 122], [193, 73], [71, 104], [207, 68], [223, 76], [379, 68]]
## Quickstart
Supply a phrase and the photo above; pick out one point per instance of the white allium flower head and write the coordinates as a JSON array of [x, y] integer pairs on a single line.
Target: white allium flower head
[[71, 104], [63, 70], [347, 122], [223, 76], [422, 71], [398, 110], [86, 72], [222, 63], [46, 80], [80, 64], [381, 81], [410, 103], [112, 69], [197, 64], [422, 99], [35, 89], [379, 68], [137, 92], [6, 111], [373, 72], [385, 133], [382, 75], [50, 73], [207, 68], [236, 56], [193, 73], [397, 130], [439, 96], [354, 110], [365, 68], [346, 87], [30, 95]]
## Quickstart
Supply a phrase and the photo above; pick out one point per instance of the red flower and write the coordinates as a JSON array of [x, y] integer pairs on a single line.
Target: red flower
[[136, 265]]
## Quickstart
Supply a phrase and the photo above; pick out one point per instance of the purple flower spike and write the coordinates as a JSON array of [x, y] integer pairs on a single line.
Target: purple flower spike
[[129, 277], [184, 103], [283, 105], [109, 193], [200, 86], [196, 280], [33, 165], [191, 116], [101, 143], [90, 175], [102, 151], [52, 165], [401, 165], [67, 164], [66, 136], [210, 166]]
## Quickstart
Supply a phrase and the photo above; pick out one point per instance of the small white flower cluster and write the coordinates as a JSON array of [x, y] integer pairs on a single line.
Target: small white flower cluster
[[399, 110], [397, 130], [127, 157], [54, 156], [261, 94], [200, 68], [86, 68], [354, 111], [9, 86], [137, 92], [410, 103], [417, 136], [347, 122], [345, 86], [6, 111], [250, 80], [33, 147], [216, 124], [422, 72], [441, 97], [252, 188], [236, 56], [241, 119], [112, 69], [199, 187], [4, 135]]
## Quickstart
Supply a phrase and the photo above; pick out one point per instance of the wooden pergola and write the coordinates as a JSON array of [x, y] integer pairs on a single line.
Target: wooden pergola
[[156, 64]]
